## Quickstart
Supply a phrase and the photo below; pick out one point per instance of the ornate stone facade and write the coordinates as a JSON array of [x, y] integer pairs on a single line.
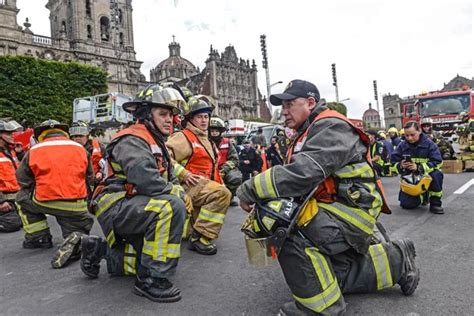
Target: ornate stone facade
[[81, 31], [371, 118], [232, 81]]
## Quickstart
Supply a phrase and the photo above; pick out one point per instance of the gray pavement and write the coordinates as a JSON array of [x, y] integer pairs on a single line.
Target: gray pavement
[[225, 285]]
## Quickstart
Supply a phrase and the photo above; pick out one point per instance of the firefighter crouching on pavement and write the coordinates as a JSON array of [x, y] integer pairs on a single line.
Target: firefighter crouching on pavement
[[197, 168], [377, 152], [331, 252], [9, 220], [140, 205], [419, 154], [79, 132], [228, 156], [55, 178]]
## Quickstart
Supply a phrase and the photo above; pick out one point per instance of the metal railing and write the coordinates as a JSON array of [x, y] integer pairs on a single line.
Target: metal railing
[[43, 40]]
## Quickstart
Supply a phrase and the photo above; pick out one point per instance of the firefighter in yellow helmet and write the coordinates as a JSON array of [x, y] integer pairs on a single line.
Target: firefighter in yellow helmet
[[140, 206], [197, 167]]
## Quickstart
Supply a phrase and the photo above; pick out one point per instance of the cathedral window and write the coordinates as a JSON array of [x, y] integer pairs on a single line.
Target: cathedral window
[[88, 8], [120, 17], [63, 27], [89, 32], [104, 29], [121, 39]]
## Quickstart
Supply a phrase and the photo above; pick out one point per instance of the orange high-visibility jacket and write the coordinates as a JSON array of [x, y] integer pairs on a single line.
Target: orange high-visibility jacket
[[8, 166], [96, 155]]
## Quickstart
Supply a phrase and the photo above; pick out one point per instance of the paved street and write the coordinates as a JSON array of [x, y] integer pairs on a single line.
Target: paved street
[[226, 285]]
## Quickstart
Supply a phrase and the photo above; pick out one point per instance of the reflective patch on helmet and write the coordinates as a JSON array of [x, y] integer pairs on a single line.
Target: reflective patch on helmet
[[275, 205], [268, 222]]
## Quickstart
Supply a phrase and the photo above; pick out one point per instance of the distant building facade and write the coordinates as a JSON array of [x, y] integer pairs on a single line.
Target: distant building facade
[[81, 31], [230, 80], [371, 118]]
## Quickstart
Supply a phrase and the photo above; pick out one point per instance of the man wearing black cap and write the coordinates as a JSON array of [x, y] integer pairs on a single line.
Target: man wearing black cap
[[333, 250]]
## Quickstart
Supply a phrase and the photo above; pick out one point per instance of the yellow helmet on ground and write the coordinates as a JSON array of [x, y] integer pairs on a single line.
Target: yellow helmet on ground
[[415, 185]]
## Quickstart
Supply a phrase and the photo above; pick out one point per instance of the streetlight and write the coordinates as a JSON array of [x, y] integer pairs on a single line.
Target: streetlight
[[346, 99], [274, 84]]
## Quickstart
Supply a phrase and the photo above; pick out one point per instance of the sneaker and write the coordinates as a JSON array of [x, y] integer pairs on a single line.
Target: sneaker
[[292, 309], [45, 242], [436, 209], [157, 289], [409, 281], [69, 251], [93, 251], [202, 245]]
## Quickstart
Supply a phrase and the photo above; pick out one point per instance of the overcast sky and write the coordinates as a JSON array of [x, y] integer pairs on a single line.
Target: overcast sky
[[407, 46]]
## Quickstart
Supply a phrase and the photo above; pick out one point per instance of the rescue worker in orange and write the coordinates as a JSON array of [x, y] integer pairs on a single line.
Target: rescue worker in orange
[[55, 177], [332, 251], [80, 133], [9, 220], [197, 168], [228, 156], [140, 205]]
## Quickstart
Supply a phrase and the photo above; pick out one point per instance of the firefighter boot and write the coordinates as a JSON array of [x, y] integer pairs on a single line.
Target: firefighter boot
[[409, 280], [94, 250], [201, 244], [69, 251], [436, 209], [44, 242], [156, 289], [293, 309]]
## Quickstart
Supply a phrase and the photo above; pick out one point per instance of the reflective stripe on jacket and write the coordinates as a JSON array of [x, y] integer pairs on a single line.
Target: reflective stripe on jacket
[[201, 161], [8, 166], [59, 166]]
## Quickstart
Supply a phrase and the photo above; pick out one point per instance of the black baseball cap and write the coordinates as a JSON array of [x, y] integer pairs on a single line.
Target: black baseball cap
[[296, 89]]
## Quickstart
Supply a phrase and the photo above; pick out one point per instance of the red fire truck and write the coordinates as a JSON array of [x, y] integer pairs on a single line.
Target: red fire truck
[[442, 107]]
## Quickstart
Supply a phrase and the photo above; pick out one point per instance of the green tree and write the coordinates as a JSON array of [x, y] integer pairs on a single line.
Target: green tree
[[34, 90], [339, 107]]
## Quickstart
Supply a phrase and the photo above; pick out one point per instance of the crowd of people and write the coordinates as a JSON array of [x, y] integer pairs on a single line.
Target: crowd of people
[[162, 181]]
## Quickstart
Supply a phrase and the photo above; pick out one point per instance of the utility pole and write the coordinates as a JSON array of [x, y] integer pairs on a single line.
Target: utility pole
[[334, 81], [117, 45], [263, 46], [376, 97]]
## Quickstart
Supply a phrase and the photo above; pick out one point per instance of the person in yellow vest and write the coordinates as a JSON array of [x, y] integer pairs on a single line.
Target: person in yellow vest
[[9, 220], [140, 205], [197, 168], [80, 133], [332, 250], [55, 177]]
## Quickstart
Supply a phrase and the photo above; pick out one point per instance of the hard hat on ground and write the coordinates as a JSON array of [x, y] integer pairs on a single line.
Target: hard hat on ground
[[415, 185], [79, 128], [50, 125], [155, 96]]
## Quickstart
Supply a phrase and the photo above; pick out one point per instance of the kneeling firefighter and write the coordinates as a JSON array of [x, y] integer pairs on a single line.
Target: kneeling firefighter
[[140, 205], [331, 250], [228, 157], [197, 167]]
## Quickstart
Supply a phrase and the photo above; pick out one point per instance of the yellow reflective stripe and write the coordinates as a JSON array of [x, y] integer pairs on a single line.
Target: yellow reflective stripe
[[211, 216], [158, 248], [427, 169], [115, 166], [377, 203], [420, 160], [76, 206], [184, 162], [174, 251], [35, 227], [437, 194], [356, 217], [129, 260], [321, 266], [356, 170], [382, 266], [107, 200], [110, 238], [186, 225], [320, 302], [264, 185], [120, 176], [177, 190], [178, 169], [9, 196]]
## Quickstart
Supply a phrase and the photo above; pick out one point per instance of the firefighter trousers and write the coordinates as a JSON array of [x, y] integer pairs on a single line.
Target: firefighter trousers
[[10, 221], [144, 233], [435, 192], [210, 203], [71, 217], [328, 266]]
